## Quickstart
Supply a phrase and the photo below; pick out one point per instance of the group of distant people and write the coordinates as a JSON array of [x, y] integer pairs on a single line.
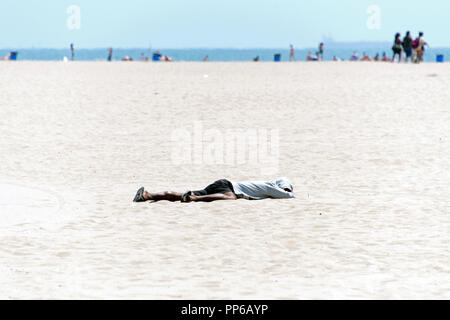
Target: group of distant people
[[157, 55], [366, 57], [318, 56], [126, 58], [414, 49]]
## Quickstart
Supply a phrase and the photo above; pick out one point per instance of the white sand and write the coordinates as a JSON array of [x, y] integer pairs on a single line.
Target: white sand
[[366, 145]]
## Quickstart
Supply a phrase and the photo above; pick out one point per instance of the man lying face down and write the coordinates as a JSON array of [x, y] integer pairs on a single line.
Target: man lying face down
[[225, 190]]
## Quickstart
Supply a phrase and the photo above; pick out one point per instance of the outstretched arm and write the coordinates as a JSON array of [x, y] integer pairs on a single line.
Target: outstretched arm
[[278, 193]]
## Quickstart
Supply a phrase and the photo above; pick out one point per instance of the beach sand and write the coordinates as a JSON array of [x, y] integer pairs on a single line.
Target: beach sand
[[366, 146]]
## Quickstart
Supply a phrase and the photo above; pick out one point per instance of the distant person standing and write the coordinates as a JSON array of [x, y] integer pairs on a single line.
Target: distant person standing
[[385, 58], [292, 54], [321, 51], [420, 50], [72, 50], [415, 46], [407, 46], [110, 52], [397, 47], [206, 58]]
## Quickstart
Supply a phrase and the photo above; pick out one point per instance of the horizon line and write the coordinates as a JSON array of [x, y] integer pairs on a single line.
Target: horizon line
[[199, 47], [184, 48], [332, 45]]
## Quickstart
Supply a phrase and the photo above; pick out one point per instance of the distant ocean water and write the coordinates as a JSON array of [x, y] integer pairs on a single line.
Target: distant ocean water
[[213, 54]]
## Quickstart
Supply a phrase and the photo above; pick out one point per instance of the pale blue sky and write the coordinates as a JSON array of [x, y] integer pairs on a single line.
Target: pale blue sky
[[215, 24]]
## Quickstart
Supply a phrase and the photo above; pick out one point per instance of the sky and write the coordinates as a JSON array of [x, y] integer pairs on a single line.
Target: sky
[[215, 24]]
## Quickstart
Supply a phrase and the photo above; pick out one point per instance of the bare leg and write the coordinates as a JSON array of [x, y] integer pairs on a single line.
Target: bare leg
[[169, 196], [214, 197]]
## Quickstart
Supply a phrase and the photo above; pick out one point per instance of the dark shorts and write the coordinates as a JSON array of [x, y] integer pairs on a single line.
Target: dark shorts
[[397, 50], [408, 52], [220, 186]]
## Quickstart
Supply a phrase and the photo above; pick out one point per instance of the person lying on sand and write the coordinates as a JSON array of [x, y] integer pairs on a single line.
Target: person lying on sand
[[225, 190]]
